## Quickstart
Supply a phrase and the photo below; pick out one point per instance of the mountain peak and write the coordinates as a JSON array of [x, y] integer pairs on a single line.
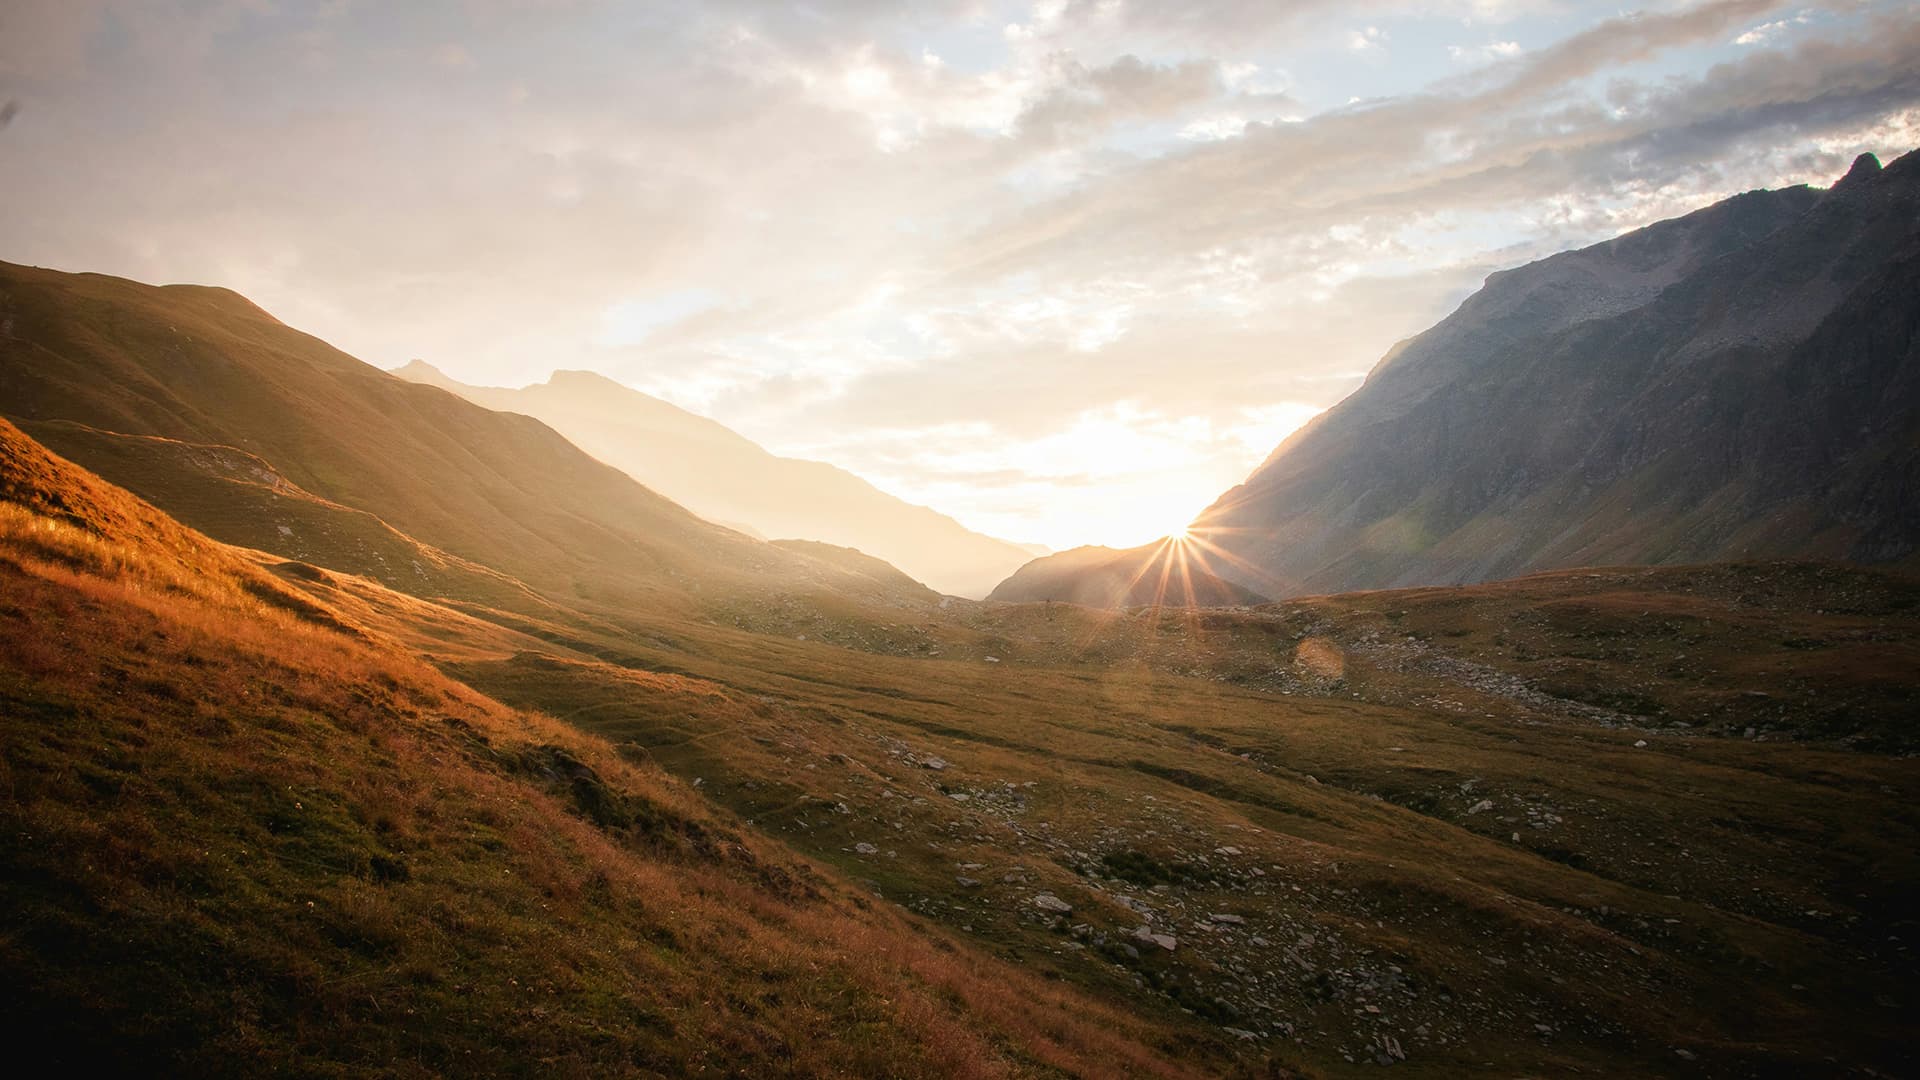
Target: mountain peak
[[581, 377], [1864, 166], [419, 371], [417, 368], [1404, 483]]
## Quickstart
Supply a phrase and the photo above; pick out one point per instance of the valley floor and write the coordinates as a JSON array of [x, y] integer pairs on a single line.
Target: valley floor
[[1606, 821], [264, 817]]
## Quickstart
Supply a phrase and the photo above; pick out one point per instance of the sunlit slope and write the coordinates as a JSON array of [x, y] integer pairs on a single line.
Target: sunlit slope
[[1173, 572], [251, 504], [204, 366], [1736, 383], [728, 478], [242, 838]]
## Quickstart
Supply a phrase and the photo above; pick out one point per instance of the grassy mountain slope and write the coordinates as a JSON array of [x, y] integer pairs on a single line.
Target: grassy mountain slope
[[1414, 827], [1293, 797], [1635, 901], [203, 366], [242, 837], [1390, 826], [253, 506], [1737, 383], [727, 478]]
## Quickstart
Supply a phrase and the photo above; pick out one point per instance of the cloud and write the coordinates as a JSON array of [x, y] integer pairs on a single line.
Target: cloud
[[1367, 39], [453, 56], [1481, 54], [45, 39], [1448, 151], [1024, 267], [1090, 101], [1765, 31]]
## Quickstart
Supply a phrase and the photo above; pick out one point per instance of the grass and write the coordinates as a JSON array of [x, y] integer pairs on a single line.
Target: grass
[[239, 841], [676, 804], [215, 376], [1729, 897]]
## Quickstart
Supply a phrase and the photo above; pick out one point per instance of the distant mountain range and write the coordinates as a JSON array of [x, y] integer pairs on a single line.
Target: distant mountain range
[[729, 479], [1741, 382]]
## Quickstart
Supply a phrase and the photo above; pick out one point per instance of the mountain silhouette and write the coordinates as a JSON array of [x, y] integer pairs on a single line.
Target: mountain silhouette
[[1165, 573], [727, 478], [1737, 383]]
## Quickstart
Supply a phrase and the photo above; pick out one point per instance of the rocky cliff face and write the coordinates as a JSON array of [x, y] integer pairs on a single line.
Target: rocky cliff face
[[1739, 382]]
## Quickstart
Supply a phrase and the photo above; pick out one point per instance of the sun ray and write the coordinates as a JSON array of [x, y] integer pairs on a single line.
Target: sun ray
[[1205, 546]]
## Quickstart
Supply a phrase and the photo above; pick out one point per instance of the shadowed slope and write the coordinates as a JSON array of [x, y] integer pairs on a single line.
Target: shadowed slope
[[203, 366], [1736, 383]]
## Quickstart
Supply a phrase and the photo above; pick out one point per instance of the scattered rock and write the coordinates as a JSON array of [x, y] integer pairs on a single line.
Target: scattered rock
[[1048, 902], [1165, 941], [1390, 1051], [864, 848]]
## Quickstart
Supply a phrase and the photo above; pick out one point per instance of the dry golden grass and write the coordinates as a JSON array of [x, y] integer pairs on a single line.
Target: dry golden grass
[[238, 840], [1731, 898], [1633, 900]]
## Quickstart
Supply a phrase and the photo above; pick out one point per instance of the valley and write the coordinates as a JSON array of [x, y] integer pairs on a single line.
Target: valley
[[352, 727]]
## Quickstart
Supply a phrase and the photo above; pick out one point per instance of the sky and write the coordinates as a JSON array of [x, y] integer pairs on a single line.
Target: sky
[[1066, 270]]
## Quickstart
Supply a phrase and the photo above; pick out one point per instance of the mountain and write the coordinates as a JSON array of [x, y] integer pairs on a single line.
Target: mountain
[[242, 836], [1167, 573], [727, 478], [257, 433], [1739, 382], [260, 818]]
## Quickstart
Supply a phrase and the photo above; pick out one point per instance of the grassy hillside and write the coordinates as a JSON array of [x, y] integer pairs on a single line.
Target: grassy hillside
[[252, 505], [203, 366], [242, 837], [1370, 827], [1518, 828]]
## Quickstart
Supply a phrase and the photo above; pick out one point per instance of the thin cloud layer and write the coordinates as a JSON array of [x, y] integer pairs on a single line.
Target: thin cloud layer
[[1064, 269]]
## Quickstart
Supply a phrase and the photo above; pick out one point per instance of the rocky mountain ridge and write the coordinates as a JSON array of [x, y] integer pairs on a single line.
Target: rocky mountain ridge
[[1736, 383]]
